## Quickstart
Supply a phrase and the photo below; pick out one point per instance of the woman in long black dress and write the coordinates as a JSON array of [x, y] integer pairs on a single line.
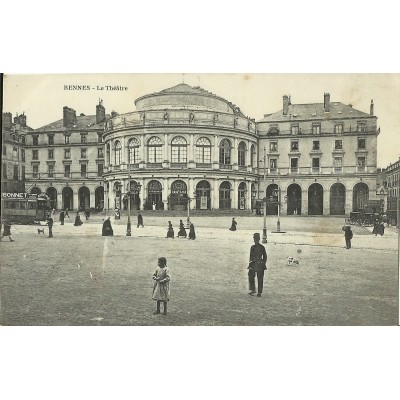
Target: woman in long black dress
[[78, 221], [192, 233], [107, 228], [233, 226], [170, 232], [182, 230]]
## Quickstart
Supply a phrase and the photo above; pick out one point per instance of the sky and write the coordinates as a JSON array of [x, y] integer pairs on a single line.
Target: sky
[[42, 97]]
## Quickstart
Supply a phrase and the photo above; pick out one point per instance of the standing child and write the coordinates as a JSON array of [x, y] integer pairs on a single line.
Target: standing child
[[161, 279]]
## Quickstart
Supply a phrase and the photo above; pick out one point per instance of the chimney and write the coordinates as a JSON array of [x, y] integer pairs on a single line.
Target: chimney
[[69, 116], [100, 112], [371, 108], [7, 120], [22, 119], [327, 101], [286, 103], [16, 119]]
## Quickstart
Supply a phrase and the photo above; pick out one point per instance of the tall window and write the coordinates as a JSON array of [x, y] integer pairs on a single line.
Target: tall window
[[66, 139], [83, 170], [15, 151], [83, 138], [51, 170], [225, 152], [294, 145], [100, 169], [253, 155], [273, 146], [361, 164], [67, 171], [203, 151], [83, 153], [133, 151], [155, 150], [15, 175], [51, 140], [51, 154], [23, 155], [23, 173], [178, 150], [361, 143], [117, 150], [294, 130], [316, 129], [273, 164], [242, 154], [4, 170], [315, 145], [361, 127], [35, 140], [35, 154], [100, 152], [315, 164], [100, 138], [108, 159], [23, 140], [338, 145], [337, 164], [35, 171], [339, 128], [67, 153], [294, 164]]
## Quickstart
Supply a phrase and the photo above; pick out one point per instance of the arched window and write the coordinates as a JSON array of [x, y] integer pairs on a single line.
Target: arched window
[[203, 151], [133, 151], [242, 154], [118, 148], [178, 150], [155, 150], [225, 152], [15, 151]]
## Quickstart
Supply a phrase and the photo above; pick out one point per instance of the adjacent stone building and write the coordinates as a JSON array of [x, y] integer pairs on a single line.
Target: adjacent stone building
[[321, 156], [393, 190], [13, 152], [65, 160]]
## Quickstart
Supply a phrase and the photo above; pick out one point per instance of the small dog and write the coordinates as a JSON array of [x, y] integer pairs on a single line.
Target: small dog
[[39, 231], [293, 262]]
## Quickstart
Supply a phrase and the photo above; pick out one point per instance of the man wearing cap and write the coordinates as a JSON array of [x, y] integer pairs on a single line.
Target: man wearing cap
[[257, 265]]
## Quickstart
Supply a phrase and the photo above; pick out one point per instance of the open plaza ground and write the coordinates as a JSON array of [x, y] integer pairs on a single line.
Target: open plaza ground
[[81, 278]]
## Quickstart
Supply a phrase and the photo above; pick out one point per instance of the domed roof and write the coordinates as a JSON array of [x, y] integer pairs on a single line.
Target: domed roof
[[183, 96]]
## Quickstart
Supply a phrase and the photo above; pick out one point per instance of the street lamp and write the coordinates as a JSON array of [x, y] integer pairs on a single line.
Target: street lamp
[[277, 194], [188, 210], [264, 237]]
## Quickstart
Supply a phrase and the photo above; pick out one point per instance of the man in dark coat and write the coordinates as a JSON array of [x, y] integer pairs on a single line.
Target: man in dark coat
[[257, 265], [233, 225], [7, 231], [50, 225], [140, 220], [107, 228], [62, 217], [348, 235]]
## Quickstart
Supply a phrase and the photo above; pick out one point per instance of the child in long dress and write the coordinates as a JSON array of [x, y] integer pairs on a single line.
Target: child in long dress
[[161, 279]]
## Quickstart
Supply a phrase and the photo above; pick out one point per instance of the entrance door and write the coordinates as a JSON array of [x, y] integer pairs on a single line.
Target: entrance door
[[203, 195], [225, 196], [315, 199], [337, 201], [293, 199]]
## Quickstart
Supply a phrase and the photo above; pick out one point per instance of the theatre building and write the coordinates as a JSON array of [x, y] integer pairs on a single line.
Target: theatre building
[[183, 146], [321, 156], [65, 160]]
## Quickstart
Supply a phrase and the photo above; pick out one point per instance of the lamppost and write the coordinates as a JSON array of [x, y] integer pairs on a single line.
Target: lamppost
[[277, 194], [135, 190], [188, 210], [264, 237]]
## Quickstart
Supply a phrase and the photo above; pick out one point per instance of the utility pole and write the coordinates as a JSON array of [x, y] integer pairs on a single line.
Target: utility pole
[[128, 225]]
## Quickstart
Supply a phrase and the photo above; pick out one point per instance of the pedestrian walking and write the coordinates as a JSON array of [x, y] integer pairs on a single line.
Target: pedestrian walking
[[87, 214], [182, 230], [66, 213], [170, 232], [233, 225], [140, 220], [50, 225], [107, 228], [62, 217], [257, 266], [161, 285], [7, 231], [78, 220], [192, 233], [348, 235]]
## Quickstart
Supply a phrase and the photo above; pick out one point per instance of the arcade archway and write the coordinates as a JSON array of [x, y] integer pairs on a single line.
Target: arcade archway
[[315, 199]]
